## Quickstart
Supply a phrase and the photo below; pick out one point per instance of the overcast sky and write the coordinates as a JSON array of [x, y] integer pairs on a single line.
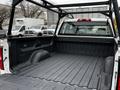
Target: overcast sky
[[60, 1]]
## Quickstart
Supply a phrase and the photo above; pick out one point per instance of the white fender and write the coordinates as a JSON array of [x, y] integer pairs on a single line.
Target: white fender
[[6, 60]]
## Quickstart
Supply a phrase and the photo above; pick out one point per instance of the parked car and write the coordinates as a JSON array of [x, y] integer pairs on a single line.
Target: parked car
[[38, 29], [50, 30], [19, 30], [31, 32]]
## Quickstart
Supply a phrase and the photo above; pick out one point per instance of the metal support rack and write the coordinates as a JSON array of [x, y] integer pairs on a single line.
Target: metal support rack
[[113, 8]]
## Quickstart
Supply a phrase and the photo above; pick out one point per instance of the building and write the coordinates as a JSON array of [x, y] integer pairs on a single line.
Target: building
[[52, 17]]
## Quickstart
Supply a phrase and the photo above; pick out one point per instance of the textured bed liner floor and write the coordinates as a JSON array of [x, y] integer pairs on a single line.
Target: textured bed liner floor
[[59, 72]]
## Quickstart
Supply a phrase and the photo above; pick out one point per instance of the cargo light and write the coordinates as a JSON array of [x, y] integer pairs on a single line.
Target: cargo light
[[84, 20], [1, 59]]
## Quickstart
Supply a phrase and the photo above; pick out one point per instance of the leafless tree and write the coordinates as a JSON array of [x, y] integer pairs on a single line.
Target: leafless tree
[[4, 14], [29, 10]]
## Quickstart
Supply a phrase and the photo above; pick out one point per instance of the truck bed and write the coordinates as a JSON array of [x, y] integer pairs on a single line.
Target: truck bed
[[58, 72]]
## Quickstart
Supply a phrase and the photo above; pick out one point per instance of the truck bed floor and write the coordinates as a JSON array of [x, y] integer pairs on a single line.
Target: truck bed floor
[[59, 72]]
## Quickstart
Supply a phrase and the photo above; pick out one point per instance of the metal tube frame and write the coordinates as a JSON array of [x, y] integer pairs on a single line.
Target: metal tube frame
[[117, 14], [44, 6], [11, 20], [84, 12], [81, 4], [62, 13]]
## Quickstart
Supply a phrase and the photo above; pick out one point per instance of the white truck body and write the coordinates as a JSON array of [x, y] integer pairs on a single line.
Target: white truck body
[[28, 23], [6, 52]]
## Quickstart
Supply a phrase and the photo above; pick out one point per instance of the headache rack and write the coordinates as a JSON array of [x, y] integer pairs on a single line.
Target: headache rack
[[113, 8]]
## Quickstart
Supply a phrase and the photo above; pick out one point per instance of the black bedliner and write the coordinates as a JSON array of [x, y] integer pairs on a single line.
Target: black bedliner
[[61, 72]]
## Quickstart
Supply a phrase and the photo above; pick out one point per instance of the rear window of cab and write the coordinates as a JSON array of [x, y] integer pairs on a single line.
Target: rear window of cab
[[93, 28]]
